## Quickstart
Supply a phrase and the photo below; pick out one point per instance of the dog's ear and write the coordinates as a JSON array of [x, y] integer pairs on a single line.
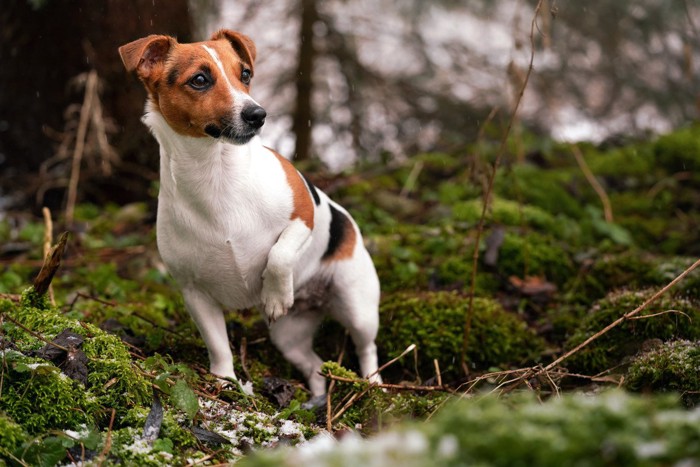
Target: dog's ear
[[144, 54], [242, 44]]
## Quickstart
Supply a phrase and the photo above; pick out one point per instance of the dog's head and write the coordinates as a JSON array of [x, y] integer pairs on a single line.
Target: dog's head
[[201, 89]]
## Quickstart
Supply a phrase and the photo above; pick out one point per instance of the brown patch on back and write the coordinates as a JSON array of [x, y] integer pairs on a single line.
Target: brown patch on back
[[303, 204]]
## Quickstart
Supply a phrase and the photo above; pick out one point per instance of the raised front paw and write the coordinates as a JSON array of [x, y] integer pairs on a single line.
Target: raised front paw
[[277, 295]]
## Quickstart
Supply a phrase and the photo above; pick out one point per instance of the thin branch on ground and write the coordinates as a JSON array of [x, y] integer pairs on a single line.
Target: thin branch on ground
[[489, 190], [34, 334], [108, 441], [595, 184], [48, 241], [533, 372]]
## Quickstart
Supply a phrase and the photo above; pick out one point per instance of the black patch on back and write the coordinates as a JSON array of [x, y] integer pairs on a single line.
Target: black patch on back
[[312, 189], [172, 76], [338, 227]]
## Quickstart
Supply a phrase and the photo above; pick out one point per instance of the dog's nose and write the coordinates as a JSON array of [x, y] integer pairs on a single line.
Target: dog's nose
[[254, 115]]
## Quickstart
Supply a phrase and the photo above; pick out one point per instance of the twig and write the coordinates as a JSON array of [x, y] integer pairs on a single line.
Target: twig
[[437, 372], [48, 240], [13, 297], [108, 441], [411, 179], [663, 313], [627, 316], [85, 111], [595, 184], [203, 459], [50, 266], [350, 402], [393, 360], [329, 407], [400, 387], [34, 334], [489, 190]]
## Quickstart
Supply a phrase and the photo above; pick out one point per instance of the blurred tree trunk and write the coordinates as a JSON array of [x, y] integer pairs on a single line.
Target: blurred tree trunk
[[303, 113], [43, 45]]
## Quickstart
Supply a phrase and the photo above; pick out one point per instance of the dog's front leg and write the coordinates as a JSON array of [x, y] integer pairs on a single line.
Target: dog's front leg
[[209, 318], [278, 281]]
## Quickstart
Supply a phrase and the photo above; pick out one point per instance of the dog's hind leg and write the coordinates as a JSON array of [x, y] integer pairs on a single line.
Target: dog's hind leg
[[293, 335], [356, 307]]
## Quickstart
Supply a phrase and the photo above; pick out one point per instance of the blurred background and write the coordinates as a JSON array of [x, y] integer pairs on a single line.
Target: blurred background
[[344, 82]]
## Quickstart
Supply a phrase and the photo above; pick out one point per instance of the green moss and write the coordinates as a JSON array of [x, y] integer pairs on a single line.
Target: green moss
[[12, 436], [377, 408], [505, 212], [112, 377], [535, 255], [434, 321], [679, 151], [672, 367], [37, 395], [47, 399], [626, 339], [548, 190]]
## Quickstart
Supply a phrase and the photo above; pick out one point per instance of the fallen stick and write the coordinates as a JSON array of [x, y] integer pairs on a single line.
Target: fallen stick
[[51, 264]]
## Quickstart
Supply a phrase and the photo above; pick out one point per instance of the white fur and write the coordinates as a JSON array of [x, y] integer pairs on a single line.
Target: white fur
[[226, 234]]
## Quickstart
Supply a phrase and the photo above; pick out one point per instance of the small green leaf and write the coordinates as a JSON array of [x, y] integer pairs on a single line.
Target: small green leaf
[[163, 445], [184, 398], [46, 453], [162, 382]]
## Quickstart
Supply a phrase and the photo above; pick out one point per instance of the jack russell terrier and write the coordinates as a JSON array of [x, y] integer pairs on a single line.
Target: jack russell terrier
[[237, 225]]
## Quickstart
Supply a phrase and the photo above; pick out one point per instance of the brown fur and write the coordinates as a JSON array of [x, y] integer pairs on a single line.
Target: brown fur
[[187, 110], [303, 204]]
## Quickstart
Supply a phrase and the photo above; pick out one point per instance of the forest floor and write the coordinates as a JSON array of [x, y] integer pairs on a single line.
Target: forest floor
[[578, 243]]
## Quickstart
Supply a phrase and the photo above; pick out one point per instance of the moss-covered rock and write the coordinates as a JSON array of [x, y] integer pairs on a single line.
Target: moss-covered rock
[[672, 367], [434, 321], [679, 151], [681, 320], [40, 397], [633, 269]]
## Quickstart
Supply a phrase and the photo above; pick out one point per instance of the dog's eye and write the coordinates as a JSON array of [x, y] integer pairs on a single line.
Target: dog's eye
[[245, 76], [199, 81]]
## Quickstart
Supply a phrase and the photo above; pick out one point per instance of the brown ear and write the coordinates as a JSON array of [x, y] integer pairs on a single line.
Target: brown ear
[[242, 44], [144, 54]]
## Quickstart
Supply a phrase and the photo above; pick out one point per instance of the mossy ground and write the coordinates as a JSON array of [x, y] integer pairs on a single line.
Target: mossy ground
[[551, 272]]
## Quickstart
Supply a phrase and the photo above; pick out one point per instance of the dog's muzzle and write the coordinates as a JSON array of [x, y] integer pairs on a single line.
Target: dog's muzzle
[[242, 129]]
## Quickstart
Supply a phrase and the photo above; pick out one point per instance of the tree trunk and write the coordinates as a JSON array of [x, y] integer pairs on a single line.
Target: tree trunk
[[303, 113], [41, 49]]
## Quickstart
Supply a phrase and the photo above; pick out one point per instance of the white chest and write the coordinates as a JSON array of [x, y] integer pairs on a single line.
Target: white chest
[[218, 218]]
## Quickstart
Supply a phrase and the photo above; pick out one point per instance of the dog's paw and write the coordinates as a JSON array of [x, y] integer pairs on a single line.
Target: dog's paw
[[277, 295]]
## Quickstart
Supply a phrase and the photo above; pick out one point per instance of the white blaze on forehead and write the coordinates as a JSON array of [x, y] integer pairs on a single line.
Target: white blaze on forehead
[[217, 60], [238, 97]]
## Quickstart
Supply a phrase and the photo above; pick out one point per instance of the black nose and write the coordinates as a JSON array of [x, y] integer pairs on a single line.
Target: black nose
[[254, 115]]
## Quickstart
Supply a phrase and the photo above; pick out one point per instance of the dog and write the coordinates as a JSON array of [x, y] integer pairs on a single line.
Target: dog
[[237, 225]]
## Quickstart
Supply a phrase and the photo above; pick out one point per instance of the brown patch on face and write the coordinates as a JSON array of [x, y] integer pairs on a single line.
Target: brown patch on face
[[170, 72], [303, 204], [342, 238]]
